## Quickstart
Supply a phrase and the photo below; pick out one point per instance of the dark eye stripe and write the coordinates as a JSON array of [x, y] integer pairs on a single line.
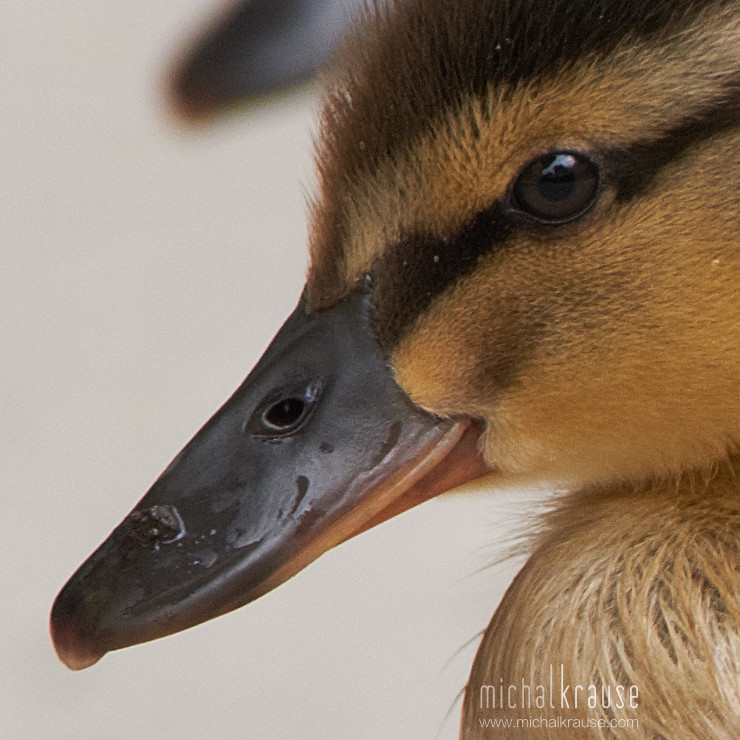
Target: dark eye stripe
[[414, 271], [632, 169], [417, 269]]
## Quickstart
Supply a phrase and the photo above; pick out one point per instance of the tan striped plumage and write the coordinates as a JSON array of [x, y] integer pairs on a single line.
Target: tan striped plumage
[[603, 355]]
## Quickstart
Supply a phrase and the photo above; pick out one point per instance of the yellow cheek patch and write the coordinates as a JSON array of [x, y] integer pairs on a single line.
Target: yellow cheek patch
[[612, 351]]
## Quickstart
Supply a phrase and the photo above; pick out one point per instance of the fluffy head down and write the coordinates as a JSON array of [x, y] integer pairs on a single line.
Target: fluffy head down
[[631, 588]]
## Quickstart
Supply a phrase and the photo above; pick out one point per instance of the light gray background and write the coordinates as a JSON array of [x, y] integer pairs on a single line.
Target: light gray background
[[143, 268]]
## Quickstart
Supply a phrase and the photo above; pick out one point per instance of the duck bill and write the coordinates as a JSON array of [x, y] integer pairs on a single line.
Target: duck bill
[[318, 444]]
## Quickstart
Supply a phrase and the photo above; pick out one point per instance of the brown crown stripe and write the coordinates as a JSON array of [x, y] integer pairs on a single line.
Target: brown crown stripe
[[413, 272], [410, 65]]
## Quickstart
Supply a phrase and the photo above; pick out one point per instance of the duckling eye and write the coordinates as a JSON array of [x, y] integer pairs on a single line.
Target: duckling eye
[[284, 412], [557, 187]]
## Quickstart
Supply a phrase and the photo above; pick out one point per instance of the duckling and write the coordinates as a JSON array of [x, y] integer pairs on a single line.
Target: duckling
[[524, 267]]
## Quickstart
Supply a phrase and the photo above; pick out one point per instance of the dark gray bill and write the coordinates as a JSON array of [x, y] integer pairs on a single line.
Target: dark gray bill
[[317, 444]]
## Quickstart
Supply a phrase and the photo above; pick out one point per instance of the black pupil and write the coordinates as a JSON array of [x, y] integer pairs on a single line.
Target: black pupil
[[557, 187], [558, 181], [284, 413]]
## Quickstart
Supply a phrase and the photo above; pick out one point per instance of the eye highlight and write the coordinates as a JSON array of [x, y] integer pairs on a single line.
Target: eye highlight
[[557, 187]]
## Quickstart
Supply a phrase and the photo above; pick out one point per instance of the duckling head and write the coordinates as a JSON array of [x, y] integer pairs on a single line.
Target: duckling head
[[551, 221], [524, 264]]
